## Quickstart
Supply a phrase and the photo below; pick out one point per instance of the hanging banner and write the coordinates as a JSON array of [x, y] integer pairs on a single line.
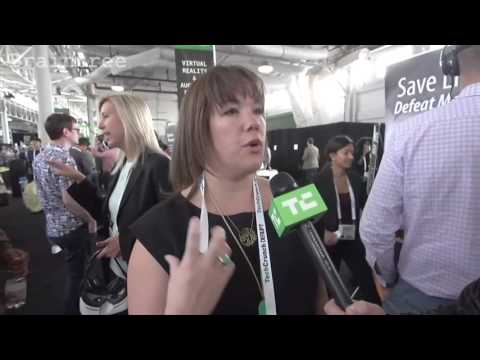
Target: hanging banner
[[416, 85], [191, 61]]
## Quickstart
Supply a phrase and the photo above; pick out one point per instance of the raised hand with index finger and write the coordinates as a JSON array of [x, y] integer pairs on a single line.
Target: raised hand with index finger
[[198, 280]]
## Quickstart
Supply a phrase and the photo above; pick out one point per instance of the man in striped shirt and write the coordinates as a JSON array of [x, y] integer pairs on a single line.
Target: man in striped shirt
[[429, 185]]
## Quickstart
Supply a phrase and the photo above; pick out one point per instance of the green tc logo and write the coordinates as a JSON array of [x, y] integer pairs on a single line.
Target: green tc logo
[[296, 207]]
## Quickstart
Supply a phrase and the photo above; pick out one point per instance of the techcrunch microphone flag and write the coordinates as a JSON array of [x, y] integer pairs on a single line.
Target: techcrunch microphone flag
[[296, 207]]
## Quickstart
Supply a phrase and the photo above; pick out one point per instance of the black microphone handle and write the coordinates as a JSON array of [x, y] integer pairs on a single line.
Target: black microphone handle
[[324, 264]]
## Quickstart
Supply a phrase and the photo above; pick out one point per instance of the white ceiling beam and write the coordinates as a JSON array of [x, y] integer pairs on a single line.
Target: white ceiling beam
[[284, 52], [21, 56], [119, 64]]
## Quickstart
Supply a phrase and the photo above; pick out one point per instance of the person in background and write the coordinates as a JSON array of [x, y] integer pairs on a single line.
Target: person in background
[[7, 154], [105, 159], [84, 145], [310, 161], [35, 148], [139, 179], [362, 162], [344, 194], [3, 155], [83, 159], [22, 150], [162, 145], [431, 192], [219, 147], [267, 158], [68, 224], [4, 165], [98, 148]]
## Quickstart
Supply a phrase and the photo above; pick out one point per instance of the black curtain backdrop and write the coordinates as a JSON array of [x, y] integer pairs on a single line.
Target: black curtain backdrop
[[285, 158]]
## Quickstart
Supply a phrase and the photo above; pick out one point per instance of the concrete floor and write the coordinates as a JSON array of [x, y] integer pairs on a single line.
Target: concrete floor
[[46, 279]]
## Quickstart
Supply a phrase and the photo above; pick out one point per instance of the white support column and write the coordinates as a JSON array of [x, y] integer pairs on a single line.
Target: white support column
[[44, 88], [91, 110], [354, 105], [5, 128], [91, 122], [347, 106], [350, 98]]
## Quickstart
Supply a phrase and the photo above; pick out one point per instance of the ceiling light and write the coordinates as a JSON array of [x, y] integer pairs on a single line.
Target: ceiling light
[[80, 79], [265, 68], [62, 69], [117, 88], [364, 54]]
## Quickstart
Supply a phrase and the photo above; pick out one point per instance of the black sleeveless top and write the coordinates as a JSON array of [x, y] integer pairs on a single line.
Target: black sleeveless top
[[163, 230], [346, 208]]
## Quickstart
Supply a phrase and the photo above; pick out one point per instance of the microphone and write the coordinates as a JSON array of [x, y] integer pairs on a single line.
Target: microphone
[[293, 208]]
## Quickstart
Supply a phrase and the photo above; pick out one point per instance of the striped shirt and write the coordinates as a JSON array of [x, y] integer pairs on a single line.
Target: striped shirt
[[60, 221], [429, 185]]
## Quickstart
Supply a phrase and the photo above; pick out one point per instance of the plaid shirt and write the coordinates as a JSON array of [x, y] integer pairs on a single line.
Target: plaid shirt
[[60, 221], [428, 184]]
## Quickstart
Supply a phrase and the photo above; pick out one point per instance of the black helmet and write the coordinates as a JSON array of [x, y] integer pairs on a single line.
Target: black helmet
[[102, 292]]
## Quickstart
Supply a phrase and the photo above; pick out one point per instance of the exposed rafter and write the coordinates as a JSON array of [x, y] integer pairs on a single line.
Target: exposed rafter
[[14, 60], [66, 52]]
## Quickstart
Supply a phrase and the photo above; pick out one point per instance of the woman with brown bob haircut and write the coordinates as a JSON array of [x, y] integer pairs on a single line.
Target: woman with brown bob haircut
[[233, 261]]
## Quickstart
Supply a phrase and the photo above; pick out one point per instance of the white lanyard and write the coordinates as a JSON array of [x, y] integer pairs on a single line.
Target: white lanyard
[[364, 164], [263, 248], [264, 253], [352, 201], [204, 228]]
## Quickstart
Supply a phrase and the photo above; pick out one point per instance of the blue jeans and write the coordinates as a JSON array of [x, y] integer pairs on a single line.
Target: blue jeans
[[407, 299], [76, 247]]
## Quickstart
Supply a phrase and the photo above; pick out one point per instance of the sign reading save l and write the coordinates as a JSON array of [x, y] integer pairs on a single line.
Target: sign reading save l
[[296, 207]]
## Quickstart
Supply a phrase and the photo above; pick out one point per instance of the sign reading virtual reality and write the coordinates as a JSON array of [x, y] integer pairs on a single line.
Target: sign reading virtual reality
[[191, 61], [416, 85]]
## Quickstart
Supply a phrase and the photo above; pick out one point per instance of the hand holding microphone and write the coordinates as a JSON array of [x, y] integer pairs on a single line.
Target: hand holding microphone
[[330, 238], [357, 308]]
